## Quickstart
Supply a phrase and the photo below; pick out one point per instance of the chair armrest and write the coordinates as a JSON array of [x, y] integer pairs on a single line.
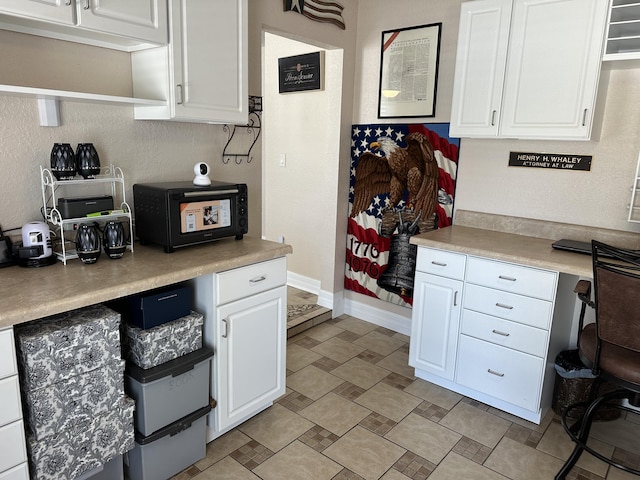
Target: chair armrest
[[583, 289]]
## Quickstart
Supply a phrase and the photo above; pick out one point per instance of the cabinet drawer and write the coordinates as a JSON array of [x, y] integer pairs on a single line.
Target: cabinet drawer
[[7, 354], [440, 262], [244, 281], [12, 447], [21, 472], [521, 309], [10, 409], [505, 374], [503, 332], [512, 278]]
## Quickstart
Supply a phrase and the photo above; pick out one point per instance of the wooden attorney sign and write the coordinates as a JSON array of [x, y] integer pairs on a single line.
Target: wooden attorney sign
[[558, 161]]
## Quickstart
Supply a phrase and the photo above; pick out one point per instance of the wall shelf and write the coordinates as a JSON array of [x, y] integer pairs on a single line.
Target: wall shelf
[[48, 100], [623, 31]]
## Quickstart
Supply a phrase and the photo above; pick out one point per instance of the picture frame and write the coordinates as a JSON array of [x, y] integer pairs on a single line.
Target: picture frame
[[301, 73], [409, 59]]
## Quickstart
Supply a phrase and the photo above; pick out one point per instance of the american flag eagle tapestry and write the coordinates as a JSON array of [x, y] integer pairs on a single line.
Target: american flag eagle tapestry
[[402, 183]]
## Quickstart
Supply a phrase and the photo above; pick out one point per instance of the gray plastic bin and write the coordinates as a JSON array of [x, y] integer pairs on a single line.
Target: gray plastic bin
[[170, 391], [163, 454], [112, 470]]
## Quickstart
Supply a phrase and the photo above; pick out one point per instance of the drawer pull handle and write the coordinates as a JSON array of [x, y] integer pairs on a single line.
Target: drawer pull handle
[[504, 277], [439, 264], [498, 332], [455, 298], [168, 297], [493, 372], [262, 278], [502, 305]]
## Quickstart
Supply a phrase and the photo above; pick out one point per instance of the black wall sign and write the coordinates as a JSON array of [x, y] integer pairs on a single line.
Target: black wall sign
[[558, 161], [300, 73]]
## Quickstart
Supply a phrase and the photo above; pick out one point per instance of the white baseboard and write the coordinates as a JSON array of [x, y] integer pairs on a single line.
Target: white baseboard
[[378, 316], [303, 283]]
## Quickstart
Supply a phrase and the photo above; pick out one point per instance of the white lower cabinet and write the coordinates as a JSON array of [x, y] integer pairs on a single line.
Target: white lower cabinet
[[245, 324], [434, 338], [13, 451], [492, 342]]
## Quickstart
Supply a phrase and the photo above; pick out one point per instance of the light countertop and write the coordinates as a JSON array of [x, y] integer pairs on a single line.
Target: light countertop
[[508, 247], [30, 293]]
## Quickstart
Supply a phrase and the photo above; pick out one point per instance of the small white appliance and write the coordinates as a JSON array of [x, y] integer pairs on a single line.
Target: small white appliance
[[37, 237]]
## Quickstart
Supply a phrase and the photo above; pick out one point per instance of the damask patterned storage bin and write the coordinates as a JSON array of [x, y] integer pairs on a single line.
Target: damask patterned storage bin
[[84, 446], [157, 345], [59, 347], [75, 400]]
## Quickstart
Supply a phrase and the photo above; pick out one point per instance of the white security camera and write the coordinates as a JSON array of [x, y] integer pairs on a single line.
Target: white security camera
[[201, 170]]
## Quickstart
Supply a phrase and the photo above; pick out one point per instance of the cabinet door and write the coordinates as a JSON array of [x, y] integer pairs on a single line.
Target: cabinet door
[[57, 11], [210, 60], [480, 66], [251, 355], [142, 19], [552, 74], [435, 324]]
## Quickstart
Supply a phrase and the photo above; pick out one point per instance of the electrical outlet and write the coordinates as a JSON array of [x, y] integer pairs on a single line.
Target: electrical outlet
[[283, 160]]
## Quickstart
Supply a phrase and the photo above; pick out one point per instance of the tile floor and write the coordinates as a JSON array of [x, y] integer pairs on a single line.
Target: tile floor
[[354, 410]]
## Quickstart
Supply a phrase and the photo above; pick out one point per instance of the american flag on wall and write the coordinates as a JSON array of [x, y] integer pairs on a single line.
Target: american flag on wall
[[367, 250], [318, 10]]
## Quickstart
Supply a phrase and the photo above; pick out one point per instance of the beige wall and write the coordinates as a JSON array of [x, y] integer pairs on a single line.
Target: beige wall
[[147, 151], [485, 181], [307, 201]]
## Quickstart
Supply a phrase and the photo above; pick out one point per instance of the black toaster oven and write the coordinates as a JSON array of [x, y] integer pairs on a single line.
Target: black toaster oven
[[177, 214]]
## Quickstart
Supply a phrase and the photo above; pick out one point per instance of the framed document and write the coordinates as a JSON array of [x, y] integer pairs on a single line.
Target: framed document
[[409, 71]]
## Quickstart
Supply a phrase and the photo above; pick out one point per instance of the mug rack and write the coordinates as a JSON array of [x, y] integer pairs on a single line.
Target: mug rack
[[111, 176], [251, 129]]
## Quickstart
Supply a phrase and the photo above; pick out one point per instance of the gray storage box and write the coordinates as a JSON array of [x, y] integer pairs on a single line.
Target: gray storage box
[[157, 345], [85, 446], [112, 470], [170, 450], [56, 348], [75, 400], [170, 391]]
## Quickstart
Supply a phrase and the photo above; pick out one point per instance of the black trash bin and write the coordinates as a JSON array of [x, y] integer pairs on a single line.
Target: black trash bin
[[573, 385]]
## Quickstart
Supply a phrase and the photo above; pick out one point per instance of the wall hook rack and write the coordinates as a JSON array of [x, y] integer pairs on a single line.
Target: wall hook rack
[[251, 129]]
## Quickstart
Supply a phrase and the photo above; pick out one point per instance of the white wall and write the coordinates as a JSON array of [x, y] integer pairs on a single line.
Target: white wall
[[324, 251], [300, 199], [147, 151]]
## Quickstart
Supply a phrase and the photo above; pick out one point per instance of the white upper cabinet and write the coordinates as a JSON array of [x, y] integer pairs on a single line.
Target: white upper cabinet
[[203, 71], [118, 24], [141, 19], [480, 64], [528, 68], [58, 11]]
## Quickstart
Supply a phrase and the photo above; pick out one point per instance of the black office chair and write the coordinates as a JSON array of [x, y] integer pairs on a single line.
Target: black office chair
[[611, 345]]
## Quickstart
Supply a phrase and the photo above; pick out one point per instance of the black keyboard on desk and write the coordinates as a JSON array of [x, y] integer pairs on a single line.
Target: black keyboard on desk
[[577, 246], [573, 246]]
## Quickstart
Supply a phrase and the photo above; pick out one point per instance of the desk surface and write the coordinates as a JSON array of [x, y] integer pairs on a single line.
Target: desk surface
[[508, 247], [30, 293]]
